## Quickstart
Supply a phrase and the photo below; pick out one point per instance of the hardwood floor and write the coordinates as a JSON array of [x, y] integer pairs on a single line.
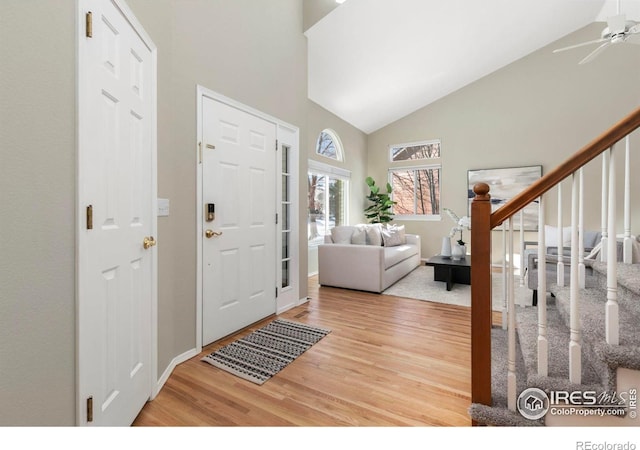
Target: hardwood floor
[[388, 361]]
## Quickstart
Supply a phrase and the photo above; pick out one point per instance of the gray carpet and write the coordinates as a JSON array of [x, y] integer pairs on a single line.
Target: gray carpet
[[419, 284], [599, 360]]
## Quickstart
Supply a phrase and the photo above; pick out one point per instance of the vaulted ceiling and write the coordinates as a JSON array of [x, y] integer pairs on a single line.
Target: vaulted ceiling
[[372, 62]]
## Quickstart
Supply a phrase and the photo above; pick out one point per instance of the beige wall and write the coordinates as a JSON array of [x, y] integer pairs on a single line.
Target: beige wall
[[536, 111], [37, 192], [253, 52]]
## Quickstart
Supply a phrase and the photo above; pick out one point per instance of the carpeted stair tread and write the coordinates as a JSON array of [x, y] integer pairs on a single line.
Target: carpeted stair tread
[[628, 284], [558, 337], [628, 275], [498, 414], [592, 314]]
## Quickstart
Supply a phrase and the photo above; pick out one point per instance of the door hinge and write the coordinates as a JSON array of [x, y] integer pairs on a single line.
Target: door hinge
[[89, 23], [276, 291], [90, 409], [200, 152], [276, 145], [90, 217], [276, 218]]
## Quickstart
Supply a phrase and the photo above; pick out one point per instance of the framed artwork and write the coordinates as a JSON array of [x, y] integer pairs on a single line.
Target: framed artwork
[[506, 183]]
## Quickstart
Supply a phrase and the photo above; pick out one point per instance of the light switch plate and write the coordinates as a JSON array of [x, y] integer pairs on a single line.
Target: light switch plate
[[163, 207]]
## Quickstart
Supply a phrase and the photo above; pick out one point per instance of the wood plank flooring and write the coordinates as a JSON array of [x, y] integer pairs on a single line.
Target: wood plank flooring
[[388, 361]]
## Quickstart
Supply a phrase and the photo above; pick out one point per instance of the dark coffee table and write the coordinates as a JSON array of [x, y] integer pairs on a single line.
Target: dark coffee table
[[450, 271]]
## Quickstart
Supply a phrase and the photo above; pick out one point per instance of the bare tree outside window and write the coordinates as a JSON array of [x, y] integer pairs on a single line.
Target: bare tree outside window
[[414, 152], [416, 189], [328, 145]]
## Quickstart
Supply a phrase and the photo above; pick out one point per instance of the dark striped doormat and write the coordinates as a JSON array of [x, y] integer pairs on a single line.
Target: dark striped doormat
[[265, 352]]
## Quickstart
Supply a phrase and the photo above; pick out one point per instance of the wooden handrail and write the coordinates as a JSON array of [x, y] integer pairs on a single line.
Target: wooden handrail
[[483, 221], [575, 162]]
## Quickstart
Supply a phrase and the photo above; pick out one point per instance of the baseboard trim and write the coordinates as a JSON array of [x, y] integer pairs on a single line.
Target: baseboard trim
[[169, 370]]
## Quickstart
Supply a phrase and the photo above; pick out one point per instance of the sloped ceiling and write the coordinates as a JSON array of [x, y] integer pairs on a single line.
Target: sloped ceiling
[[372, 62]]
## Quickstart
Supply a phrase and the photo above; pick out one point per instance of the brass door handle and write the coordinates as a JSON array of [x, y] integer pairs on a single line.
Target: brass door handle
[[149, 242], [210, 233]]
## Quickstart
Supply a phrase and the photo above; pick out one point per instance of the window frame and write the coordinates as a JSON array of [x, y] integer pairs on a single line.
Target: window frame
[[337, 144], [414, 165], [414, 144], [330, 172]]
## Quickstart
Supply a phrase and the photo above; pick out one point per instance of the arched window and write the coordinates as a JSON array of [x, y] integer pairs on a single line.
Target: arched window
[[329, 145]]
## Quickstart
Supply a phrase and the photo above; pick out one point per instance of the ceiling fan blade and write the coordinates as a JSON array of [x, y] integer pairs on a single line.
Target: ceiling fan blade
[[594, 53], [632, 39], [617, 24], [634, 29], [595, 41]]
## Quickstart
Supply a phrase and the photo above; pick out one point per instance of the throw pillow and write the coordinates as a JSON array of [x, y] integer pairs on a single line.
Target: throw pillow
[[359, 236], [393, 235], [341, 234], [374, 234]]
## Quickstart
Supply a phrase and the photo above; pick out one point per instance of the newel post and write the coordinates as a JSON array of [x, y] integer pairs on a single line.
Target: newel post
[[481, 320]]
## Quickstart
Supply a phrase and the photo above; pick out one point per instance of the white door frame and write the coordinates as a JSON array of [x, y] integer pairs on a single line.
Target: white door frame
[[80, 208], [288, 135]]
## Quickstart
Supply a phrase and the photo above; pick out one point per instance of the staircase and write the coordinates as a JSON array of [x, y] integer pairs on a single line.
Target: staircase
[[600, 361], [581, 342]]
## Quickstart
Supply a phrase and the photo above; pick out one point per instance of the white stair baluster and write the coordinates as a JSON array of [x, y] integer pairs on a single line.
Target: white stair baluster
[[611, 316], [604, 209], [511, 372], [504, 276], [522, 247], [581, 268], [543, 343], [628, 243], [560, 247], [575, 344]]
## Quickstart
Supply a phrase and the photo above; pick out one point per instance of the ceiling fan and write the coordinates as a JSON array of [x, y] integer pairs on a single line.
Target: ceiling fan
[[618, 31]]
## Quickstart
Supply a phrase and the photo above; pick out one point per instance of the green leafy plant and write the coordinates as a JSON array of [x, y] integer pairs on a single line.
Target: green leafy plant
[[380, 209]]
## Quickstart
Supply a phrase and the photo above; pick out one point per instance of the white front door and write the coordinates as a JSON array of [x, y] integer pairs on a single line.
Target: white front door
[[116, 215], [238, 254]]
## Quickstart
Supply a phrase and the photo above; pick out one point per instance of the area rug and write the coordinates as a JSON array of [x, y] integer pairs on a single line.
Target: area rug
[[260, 355], [419, 284]]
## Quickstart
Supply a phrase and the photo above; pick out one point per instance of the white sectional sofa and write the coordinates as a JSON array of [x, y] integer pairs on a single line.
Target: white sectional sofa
[[367, 257]]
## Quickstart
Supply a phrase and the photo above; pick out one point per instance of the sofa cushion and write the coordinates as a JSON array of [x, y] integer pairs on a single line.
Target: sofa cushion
[[374, 234], [341, 234], [359, 236], [393, 235], [394, 255]]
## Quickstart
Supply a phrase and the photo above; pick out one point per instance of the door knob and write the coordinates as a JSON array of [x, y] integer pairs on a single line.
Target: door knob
[[149, 242], [210, 233]]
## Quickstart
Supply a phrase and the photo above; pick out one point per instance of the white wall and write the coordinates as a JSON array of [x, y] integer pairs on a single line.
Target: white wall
[[537, 111]]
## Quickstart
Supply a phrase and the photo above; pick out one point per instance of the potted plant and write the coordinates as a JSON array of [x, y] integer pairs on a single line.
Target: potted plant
[[380, 209]]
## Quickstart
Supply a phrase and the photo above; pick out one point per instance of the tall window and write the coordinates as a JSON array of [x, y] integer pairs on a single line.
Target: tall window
[[328, 193], [329, 145], [416, 187]]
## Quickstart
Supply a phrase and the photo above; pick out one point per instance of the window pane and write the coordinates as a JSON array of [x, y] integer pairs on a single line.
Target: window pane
[[285, 188], [316, 202], [285, 159], [336, 203], [417, 192], [285, 274], [402, 183], [426, 150], [326, 146], [428, 195]]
